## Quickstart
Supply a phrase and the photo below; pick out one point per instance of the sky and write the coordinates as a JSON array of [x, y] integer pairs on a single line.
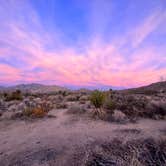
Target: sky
[[83, 43]]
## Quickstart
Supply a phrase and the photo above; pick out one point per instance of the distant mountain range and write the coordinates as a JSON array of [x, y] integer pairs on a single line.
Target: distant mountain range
[[39, 88], [152, 88], [34, 88]]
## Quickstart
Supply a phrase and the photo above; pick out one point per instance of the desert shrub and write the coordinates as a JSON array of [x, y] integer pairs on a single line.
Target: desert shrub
[[154, 109], [84, 98], [82, 102], [16, 95], [109, 104], [72, 98], [46, 106], [5, 94], [134, 152], [119, 116], [97, 98], [27, 112], [76, 109], [38, 112], [63, 93], [61, 105]]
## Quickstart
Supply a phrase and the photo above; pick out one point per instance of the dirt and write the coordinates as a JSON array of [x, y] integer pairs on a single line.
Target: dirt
[[53, 141]]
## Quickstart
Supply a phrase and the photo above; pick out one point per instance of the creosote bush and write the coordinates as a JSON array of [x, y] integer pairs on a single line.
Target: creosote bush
[[16, 95]]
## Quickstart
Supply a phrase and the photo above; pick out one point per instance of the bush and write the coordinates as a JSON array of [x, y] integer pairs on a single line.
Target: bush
[[72, 98], [16, 95], [109, 104], [61, 105], [97, 98], [132, 152], [38, 113], [27, 112], [76, 109], [34, 112]]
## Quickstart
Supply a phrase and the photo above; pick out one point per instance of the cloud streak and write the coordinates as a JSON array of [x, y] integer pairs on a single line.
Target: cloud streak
[[30, 53]]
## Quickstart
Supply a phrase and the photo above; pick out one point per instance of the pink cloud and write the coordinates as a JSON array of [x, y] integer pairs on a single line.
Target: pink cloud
[[100, 62]]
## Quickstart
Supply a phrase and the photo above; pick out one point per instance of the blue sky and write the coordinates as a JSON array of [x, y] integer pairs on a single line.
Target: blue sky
[[118, 43]]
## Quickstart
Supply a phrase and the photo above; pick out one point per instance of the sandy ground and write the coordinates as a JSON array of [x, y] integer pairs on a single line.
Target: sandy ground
[[54, 140]]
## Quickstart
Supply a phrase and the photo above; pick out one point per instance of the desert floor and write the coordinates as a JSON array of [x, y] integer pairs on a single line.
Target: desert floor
[[59, 140]]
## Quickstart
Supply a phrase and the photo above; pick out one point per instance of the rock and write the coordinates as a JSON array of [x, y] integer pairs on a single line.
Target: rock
[[22, 106], [13, 107]]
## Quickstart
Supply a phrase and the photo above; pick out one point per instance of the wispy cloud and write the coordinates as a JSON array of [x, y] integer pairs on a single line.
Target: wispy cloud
[[39, 55], [149, 25]]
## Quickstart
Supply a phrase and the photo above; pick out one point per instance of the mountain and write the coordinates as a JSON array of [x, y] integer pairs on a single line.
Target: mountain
[[149, 89], [1, 88], [35, 88]]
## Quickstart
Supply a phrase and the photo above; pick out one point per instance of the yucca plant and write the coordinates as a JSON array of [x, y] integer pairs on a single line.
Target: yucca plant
[[97, 98]]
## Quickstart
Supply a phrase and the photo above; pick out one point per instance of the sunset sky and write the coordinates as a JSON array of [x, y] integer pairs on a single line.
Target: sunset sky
[[119, 43]]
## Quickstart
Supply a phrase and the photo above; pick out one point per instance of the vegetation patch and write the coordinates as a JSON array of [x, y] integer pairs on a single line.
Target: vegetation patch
[[136, 152]]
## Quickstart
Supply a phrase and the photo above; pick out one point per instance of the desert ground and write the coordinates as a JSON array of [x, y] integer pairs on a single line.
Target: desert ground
[[62, 129]]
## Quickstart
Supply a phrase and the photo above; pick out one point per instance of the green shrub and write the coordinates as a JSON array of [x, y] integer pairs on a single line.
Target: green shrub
[[97, 98]]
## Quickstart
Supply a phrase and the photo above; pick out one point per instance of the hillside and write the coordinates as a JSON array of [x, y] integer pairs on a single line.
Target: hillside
[[35, 88], [149, 89]]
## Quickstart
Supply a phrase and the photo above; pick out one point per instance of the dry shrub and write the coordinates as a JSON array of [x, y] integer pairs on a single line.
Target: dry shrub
[[72, 97], [136, 153], [154, 109], [38, 113], [16, 95], [84, 98], [27, 112], [119, 116], [61, 105], [110, 105], [76, 109]]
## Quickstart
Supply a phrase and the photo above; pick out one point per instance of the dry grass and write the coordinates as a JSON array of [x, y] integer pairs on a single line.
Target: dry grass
[[143, 152], [76, 109]]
